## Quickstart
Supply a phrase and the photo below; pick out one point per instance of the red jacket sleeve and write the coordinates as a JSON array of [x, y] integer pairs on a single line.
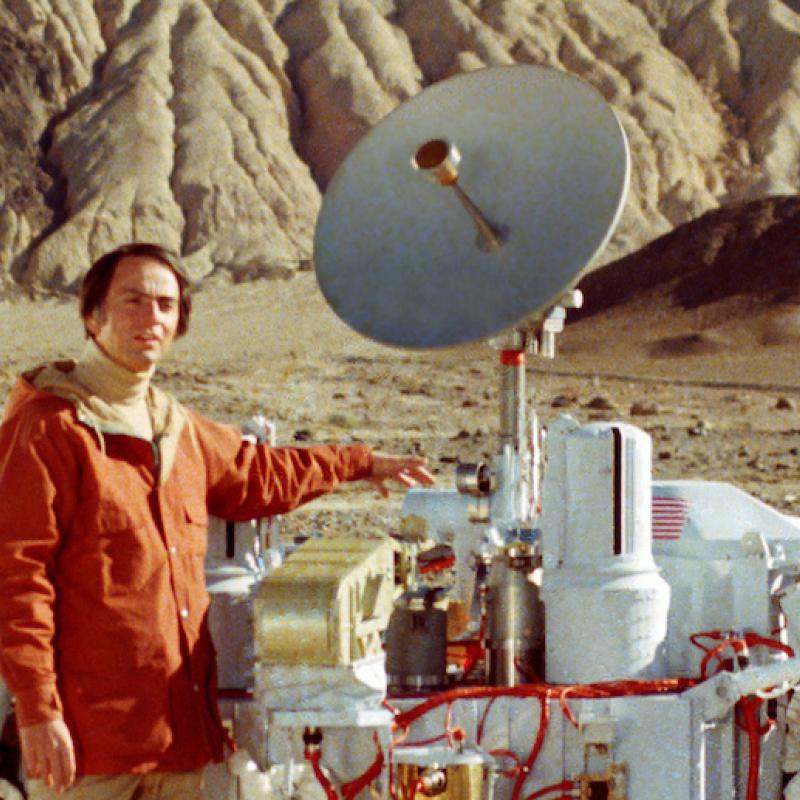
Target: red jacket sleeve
[[37, 482], [246, 481]]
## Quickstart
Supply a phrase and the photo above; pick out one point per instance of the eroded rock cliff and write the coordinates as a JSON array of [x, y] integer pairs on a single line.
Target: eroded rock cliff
[[213, 126]]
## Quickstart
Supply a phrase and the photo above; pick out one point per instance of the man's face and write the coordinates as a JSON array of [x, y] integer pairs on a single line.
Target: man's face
[[136, 323]]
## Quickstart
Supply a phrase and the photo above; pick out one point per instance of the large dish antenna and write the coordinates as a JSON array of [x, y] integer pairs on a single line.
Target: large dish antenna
[[471, 207]]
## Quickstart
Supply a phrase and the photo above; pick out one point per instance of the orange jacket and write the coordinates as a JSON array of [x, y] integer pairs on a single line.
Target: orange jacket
[[102, 593]]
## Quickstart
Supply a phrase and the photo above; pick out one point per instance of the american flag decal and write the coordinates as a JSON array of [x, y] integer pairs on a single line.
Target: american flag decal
[[669, 515]]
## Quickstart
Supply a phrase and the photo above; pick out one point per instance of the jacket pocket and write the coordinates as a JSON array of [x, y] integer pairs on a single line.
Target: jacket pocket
[[195, 527]]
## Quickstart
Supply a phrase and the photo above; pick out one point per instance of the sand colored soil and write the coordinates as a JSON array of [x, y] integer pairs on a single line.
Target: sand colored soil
[[720, 405]]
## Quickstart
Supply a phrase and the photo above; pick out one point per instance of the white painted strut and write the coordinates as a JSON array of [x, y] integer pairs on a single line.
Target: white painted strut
[[724, 690]]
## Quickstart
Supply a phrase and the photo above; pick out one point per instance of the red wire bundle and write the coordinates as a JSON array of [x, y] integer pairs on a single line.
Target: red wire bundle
[[349, 790], [748, 709]]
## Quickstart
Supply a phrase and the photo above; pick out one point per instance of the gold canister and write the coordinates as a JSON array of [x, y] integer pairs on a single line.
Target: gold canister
[[442, 773]]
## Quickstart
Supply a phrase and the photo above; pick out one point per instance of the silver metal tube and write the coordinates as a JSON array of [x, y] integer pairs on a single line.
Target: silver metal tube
[[515, 619], [492, 240], [512, 400], [437, 160]]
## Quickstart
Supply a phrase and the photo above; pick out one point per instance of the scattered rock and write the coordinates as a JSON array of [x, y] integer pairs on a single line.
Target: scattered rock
[[600, 403], [701, 428], [563, 401], [413, 388], [643, 409]]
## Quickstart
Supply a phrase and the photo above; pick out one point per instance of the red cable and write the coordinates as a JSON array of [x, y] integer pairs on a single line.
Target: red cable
[[544, 718], [387, 705], [455, 733], [313, 758], [350, 790], [749, 707], [622, 688], [390, 749], [510, 773], [755, 639], [405, 718], [421, 742], [565, 709], [543, 692], [482, 721], [456, 736], [738, 644], [715, 635]]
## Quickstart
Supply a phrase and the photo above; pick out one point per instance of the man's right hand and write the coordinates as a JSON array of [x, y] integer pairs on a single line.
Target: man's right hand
[[48, 753]]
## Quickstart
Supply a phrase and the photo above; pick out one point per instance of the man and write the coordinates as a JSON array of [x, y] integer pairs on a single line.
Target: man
[[105, 488]]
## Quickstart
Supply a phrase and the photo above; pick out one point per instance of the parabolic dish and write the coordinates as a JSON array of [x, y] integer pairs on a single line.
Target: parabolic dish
[[545, 160]]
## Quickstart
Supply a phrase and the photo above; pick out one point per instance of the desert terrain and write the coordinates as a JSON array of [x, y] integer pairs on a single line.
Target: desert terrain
[[720, 404], [215, 126]]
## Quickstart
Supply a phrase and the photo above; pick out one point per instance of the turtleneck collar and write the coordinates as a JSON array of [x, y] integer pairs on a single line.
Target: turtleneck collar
[[113, 400], [103, 377]]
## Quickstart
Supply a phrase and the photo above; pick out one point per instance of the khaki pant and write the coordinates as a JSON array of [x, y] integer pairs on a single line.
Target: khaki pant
[[155, 786]]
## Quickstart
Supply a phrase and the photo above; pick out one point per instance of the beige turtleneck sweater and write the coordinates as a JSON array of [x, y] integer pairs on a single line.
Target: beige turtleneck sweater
[[112, 399], [126, 392]]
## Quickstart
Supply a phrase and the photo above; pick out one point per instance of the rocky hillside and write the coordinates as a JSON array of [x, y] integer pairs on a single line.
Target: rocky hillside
[[213, 126], [744, 252]]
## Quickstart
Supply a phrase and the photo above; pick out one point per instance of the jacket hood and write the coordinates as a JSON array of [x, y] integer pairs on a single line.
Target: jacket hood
[[57, 379]]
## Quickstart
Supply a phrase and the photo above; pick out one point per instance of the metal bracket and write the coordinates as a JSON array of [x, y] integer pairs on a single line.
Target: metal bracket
[[608, 785]]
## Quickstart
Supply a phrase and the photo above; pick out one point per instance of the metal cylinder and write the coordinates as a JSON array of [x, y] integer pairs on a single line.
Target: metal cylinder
[[512, 399], [416, 643], [438, 160], [474, 479], [514, 618], [602, 589]]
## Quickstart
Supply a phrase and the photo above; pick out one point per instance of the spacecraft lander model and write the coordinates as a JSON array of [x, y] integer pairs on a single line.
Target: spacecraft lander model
[[601, 635]]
